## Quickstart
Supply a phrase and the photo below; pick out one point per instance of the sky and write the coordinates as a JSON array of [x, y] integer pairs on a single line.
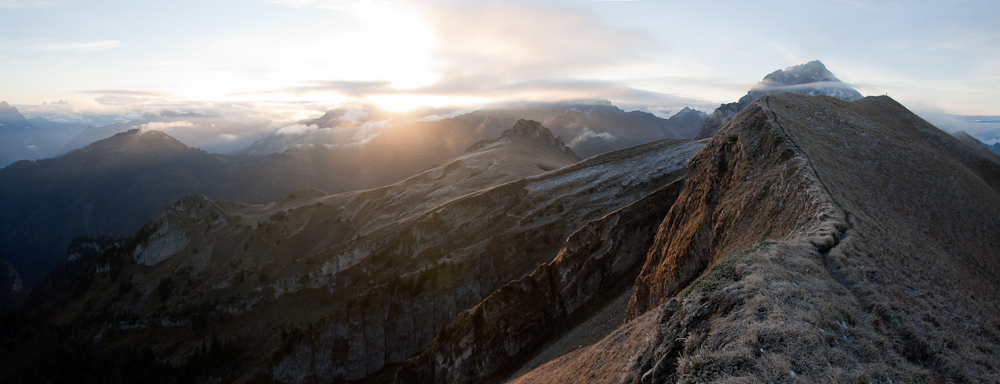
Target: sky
[[286, 60]]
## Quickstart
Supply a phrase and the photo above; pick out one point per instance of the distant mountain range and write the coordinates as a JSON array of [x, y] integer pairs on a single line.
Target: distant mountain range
[[31, 139], [589, 127], [988, 151], [112, 186], [208, 132]]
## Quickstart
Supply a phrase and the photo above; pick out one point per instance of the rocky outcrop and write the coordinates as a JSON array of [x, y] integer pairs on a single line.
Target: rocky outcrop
[[528, 129], [515, 320], [698, 230], [174, 226], [12, 292], [811, 78]]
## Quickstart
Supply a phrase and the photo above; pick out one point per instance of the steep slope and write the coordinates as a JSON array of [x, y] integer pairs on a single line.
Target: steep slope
[[344, 285], [811, 78], [560, 299], [818, 239]]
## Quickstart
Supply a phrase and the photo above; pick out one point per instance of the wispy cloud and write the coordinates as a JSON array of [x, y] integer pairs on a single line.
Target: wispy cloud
[[44, 44], [322, 4], [126, 92], [25, 3]]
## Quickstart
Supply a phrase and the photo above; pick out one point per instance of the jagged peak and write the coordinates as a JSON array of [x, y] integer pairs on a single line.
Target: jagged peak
[[528, 129], [688, 111], [811, 72], [9, 110], [535, 130]]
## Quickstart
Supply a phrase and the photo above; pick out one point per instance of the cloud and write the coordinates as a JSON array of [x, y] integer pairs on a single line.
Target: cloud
[[166, 126], [125, 92], [494, 45], [983, 128], [322, 4], [345, 87], [45, 44], [25, 3], [296, 129], [588, 134], [442, 116]]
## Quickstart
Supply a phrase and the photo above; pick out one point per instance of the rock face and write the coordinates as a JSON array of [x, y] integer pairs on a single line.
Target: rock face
[[12, 292], [472, 247], [514, 321], [811, 78], [529, 129], [817, 239]]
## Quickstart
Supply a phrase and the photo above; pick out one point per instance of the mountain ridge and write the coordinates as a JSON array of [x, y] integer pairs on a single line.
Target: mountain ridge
[[830, 283]]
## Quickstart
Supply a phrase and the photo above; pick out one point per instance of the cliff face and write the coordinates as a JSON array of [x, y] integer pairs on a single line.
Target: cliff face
[[514, 321], [817, 239], [12, 292], [452, 258]]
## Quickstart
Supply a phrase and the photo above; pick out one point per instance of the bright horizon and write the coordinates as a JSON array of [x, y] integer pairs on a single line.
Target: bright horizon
[[286, 60]]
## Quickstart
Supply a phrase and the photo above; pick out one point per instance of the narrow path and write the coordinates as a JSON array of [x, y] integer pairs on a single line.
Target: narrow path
[[885, 318]]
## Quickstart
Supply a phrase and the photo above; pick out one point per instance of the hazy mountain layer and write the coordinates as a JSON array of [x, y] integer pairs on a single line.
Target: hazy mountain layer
[[817, 239], [31, 139], [47, 203], [978, 146], [811, 78], [590, 128], [209, 132]]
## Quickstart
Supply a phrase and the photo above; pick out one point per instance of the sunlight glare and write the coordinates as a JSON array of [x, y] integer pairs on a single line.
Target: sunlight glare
[[401, 103]]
